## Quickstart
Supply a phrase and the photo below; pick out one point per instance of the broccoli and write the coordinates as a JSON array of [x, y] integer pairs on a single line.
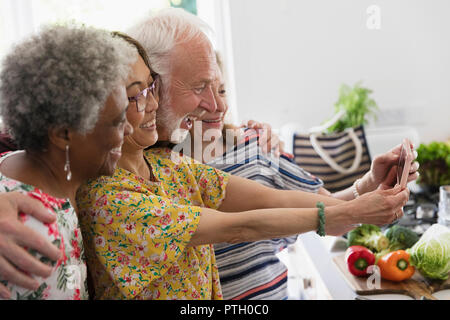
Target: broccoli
[[401, 238], [369, 236], [381, 254]]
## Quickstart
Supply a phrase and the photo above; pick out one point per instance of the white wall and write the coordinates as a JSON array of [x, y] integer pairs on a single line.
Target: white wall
[[290, 57]]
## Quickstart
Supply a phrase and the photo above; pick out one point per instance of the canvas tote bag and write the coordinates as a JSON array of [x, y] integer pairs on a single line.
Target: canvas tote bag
[[338, 159]]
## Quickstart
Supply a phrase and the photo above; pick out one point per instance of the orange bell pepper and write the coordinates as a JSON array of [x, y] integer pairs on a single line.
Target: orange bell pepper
[[395, 266]]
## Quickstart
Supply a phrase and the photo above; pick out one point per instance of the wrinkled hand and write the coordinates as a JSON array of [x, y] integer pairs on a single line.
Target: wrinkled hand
[[383, 171], [381, 207], [16, 264], [269, 141]]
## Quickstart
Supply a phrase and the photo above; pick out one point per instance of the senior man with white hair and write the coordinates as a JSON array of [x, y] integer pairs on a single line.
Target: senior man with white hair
[[181, 53]]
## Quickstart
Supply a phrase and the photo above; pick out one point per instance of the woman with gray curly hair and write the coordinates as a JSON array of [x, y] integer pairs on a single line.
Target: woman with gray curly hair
[[63, 99]]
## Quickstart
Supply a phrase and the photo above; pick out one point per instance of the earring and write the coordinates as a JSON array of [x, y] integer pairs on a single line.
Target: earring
[[67, 166]]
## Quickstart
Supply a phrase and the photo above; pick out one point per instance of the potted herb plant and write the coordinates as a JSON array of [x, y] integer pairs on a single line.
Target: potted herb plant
[[355, 105]]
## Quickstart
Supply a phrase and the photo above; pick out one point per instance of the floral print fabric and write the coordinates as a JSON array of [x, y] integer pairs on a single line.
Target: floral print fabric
[[136, 232], [68, 279]]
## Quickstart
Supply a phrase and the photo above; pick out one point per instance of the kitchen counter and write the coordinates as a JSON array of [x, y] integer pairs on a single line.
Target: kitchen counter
[[310, 263], [321, 252]]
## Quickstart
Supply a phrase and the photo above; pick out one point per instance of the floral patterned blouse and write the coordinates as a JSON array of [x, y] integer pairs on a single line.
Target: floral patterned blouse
[[68, 280], [136, 231]]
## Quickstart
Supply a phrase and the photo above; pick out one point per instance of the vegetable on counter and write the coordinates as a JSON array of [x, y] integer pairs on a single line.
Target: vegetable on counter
[[434, 160], [358, 259], [431, 254], [380, 254], [401, 238], [395, 266], [369, 236]]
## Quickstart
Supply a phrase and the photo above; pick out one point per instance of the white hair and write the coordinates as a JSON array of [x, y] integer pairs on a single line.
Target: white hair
[[160, 33]]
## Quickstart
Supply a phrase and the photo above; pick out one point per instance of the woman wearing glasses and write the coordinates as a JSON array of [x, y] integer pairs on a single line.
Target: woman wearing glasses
[[63, 99]]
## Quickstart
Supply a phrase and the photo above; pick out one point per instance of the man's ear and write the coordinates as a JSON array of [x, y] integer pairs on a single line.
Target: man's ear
[[59, 137]]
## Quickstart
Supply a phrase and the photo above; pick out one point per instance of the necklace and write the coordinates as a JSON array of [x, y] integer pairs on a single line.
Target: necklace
[[152, 177]]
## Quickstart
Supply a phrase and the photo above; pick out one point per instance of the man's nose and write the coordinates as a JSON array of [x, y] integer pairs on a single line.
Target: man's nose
[[221, 107], [209, 100]]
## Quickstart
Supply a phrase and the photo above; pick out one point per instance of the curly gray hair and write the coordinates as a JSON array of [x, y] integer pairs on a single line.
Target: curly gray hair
[[60, 77]]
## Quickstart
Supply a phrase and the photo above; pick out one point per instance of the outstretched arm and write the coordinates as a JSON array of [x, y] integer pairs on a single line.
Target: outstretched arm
[[377, 207], [243, 194]]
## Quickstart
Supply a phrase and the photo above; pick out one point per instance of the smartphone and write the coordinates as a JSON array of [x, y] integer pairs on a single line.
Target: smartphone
[[404, 163]]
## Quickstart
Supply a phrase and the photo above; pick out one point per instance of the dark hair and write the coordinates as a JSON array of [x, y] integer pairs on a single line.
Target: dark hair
[[136, 44]]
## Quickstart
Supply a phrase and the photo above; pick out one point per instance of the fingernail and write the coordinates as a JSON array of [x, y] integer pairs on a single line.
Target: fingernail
[[50, 271], [5, 295]]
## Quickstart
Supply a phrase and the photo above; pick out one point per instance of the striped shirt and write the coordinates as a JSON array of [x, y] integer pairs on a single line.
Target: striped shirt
[[251, 270]]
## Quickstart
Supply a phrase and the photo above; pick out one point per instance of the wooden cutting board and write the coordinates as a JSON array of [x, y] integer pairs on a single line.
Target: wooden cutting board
[[416, 287]]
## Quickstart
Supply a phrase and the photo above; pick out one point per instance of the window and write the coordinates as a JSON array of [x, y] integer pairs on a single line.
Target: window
[[108, 14], [19, 18]]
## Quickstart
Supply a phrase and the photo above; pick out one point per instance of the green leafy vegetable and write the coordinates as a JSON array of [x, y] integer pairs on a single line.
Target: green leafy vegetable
[[401, 238], [357, 106], [369, 236], [380, 254], [431, 254], [434, 160]]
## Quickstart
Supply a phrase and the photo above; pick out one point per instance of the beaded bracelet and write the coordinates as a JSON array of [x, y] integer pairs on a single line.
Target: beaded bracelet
[[321, 229], [355, 188]]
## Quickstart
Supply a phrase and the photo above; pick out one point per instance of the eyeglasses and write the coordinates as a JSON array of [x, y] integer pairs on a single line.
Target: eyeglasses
[[142, 97]]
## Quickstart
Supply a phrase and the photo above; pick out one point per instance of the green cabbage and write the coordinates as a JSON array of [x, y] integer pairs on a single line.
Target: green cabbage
[[431, 254]]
